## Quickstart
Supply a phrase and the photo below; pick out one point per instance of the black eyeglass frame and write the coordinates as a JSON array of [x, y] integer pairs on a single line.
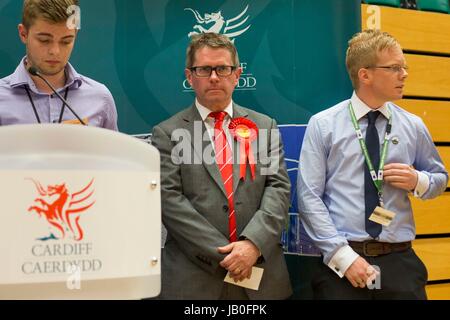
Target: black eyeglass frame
[[211, 69]]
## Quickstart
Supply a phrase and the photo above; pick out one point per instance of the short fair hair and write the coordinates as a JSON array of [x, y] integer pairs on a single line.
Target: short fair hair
[[363, 50], [212, 40], [53, 11]]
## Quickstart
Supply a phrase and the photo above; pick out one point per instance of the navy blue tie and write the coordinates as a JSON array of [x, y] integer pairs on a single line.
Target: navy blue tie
[[370, 191]]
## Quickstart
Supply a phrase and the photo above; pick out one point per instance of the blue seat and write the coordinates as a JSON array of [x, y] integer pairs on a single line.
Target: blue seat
[[391, 3], [433, 5], [294, 238]]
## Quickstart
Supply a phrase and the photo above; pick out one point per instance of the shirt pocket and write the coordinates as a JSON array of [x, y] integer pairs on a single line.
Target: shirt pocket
[[399, 151]]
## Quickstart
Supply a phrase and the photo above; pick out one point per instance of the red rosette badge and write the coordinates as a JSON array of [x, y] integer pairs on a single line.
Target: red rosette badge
[[245, 132]]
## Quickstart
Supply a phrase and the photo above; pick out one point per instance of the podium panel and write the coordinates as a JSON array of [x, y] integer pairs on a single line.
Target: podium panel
[[82, 214]]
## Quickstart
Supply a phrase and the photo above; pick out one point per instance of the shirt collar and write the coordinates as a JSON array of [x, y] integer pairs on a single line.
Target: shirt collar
[[204, 112], [74, 79], [361, 109], [21, 77]]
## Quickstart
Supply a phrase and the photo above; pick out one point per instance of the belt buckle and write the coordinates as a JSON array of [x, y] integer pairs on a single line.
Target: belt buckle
[[365, 251]]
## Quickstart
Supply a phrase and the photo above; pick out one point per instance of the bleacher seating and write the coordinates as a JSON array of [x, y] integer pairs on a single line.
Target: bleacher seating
[[425, 38], [392, 3], [433, 5]]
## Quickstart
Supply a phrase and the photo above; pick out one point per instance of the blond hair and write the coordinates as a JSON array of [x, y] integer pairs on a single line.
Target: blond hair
[[363, 49], [212, 40], [53, 11]]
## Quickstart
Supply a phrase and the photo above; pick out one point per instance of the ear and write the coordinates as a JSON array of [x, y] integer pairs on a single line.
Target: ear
[[364, 76], [237, 74], [188, 74], [23, 33]]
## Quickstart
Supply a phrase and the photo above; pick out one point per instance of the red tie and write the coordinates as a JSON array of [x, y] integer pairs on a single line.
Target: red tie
[[224, 159]]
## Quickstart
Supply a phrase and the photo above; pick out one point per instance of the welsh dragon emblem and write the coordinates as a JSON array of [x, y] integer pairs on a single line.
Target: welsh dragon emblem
[[215, 22], [62, 209]]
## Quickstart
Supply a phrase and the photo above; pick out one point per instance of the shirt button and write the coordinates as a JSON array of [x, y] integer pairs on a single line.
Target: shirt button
[[225, 208]]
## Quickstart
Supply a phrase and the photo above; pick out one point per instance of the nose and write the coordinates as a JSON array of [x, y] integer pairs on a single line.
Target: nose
[[54, 49], [404, 73], [214, 76]]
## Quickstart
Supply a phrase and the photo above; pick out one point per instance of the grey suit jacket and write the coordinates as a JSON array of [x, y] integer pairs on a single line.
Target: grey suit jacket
[[195, 209]]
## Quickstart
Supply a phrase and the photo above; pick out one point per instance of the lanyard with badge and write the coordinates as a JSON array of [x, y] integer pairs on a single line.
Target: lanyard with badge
[[380, 214], [34, 106]]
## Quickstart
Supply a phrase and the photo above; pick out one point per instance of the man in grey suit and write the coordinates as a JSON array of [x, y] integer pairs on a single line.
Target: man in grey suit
[[218, 224]]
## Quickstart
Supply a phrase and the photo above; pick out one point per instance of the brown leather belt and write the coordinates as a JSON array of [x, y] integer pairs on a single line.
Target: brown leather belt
[[372, 248]]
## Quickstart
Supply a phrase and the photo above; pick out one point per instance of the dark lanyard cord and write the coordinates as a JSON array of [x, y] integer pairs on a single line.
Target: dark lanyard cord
[[34, 107], [63, 107], [32, 104]]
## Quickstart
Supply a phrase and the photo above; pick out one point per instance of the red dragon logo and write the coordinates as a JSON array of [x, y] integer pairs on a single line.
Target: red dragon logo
[[62, 213]]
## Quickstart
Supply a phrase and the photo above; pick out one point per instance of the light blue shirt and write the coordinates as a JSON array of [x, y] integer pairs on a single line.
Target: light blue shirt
[[331, 178], [91, 100]]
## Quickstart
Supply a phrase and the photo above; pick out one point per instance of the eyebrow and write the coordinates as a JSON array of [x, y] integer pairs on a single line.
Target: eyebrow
[[51, 36]]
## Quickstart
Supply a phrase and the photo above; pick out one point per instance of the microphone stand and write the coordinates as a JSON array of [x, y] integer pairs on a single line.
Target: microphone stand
[[33, 71]]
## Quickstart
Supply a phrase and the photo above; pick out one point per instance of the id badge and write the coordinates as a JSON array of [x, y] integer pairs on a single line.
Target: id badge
[[382, 216]]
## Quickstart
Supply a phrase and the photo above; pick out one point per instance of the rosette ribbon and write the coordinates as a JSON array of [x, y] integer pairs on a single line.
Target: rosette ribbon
[[245, 132]]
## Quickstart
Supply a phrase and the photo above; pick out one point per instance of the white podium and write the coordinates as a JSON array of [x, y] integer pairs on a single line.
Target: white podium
[[80, 214]]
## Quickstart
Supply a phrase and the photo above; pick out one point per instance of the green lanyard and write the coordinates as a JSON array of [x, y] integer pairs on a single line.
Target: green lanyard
[[376, 178]]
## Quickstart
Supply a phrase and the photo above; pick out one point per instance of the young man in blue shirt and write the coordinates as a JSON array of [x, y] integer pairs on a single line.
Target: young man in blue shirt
[[359, 161]]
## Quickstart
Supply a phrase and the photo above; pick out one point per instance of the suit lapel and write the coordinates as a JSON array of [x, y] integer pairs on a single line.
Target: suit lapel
[[191, 119], [238, 112]]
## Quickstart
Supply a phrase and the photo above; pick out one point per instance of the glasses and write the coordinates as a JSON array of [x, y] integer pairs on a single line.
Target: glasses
[[393, 68], [206, 71]]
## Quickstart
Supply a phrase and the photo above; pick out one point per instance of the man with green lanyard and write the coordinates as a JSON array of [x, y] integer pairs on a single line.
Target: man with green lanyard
[[359, 161]]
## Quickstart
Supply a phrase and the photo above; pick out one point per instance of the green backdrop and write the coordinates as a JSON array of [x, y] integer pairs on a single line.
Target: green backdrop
[[293, 54]]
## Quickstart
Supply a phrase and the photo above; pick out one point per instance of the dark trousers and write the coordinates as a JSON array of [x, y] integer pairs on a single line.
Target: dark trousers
[[232, 292], [402, 276]]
